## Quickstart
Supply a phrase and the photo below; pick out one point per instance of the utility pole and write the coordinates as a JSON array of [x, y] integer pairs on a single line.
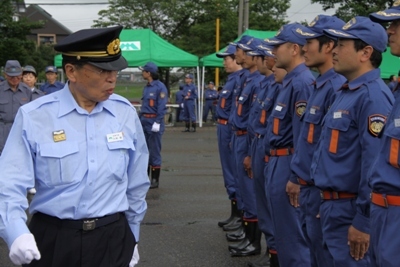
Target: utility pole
[[243, 20], [240, 19]]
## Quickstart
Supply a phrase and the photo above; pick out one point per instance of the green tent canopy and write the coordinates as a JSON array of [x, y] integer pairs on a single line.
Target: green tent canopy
[[143, 45], [213, 61], [390, 64]]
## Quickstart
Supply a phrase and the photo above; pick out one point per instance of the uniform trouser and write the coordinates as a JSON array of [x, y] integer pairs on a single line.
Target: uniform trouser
[[245, 183], [153, 141], [336, 218], [385, 236], [189, 111], [290, 242], [310, 200], [263, 211], [109, 245], [209, 106], [224, 134]]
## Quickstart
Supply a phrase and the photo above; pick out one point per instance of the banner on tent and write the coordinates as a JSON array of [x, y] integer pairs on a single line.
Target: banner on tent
[[130, 46]]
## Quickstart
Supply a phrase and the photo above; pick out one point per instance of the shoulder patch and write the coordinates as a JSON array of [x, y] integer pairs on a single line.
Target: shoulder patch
[[162, 95], [300, 107], [376, 123]]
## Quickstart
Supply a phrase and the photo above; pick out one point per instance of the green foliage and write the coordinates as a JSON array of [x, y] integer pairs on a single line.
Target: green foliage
[[347, 9]]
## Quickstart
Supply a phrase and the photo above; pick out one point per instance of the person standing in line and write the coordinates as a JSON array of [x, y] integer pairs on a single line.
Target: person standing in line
[[348, 143], [392, 82], [317, 54], [13, 94], [226, 102], [282, 133], [179, 102], [210, 95], [85, 149], [29, 77], [384, 174], [51, 85], [189, 103], [152, 114]]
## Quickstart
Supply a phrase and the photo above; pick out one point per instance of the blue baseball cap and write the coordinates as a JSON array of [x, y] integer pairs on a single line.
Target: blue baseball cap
[[13, 68], [285, 35], [50, 69], [316, 27], [390, 14], [230, 50], [251, 45], [244, 39], [190, 76], [364, 29], [263, 49], [29, 68], [210, 82], [150, 67]]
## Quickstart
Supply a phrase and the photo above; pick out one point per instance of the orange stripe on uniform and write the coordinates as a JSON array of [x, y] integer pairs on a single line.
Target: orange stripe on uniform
[[334, 141], [394, 153], [275, 130], [239, 112], [310, 137], [263, 116], [223, 102]]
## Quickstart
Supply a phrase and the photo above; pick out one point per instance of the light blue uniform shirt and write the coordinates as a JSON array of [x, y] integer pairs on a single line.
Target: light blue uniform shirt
[[86, 174]]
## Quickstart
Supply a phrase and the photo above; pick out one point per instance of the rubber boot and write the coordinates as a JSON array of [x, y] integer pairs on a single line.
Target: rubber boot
[[234, 213], [193, 127], [186, 127], [155, 176], [251, 244], [235, 224], [273, 260], [236, 236], [263, 261]]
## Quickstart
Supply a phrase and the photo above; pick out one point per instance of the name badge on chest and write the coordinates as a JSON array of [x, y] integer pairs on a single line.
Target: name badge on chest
[[396, 122], [337, 115], [312, 111], [115, 137], [59, 136], [278, 108]]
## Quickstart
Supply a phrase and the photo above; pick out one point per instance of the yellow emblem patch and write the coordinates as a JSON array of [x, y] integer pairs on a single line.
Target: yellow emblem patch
[[59, 136], [300, 107], [312, 23], [162, 95], [349, 24], [396, 3], [376, 123], [113, 47]]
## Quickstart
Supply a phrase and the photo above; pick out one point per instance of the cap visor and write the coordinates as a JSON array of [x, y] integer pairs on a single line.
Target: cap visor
[[385, 16], [118, 64], [13, 74], [306, 34], [274, 41], [220, 55], [339, 34]]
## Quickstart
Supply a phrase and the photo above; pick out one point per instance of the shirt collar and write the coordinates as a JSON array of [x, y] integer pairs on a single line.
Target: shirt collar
[[298, 69], [68, 103], [365, 78], [322, 79]]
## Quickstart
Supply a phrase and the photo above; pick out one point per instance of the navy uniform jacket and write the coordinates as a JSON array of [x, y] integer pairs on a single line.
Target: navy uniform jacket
[[48, 88], [226, 97], [36, 93], [211, 95], [240, 81], [10, 102], [348, 143], [179, 97], [324, 93], [290, 104], [154, 100], [190, 91]]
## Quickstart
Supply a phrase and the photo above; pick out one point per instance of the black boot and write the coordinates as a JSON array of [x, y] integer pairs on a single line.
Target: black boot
[[193, 127], [186, 127], [235, 224], [263, 261], [251, 244], [274, 260], [155, 176], [234, 213], [236, 236]]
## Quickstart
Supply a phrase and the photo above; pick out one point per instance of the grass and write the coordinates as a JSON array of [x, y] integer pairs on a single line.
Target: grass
[[130, 91]]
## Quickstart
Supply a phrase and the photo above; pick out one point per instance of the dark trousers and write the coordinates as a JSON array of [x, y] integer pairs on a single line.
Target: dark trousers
[[109, 245]]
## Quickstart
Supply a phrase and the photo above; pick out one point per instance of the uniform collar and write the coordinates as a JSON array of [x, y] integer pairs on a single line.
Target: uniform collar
[[322, 79], [68, 103], [298, 69], [365, 78], [254, 74], [19, 87]]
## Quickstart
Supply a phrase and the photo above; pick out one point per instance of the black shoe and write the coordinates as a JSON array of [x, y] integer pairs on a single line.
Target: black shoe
[[251, 249], [274, 260], [236, 236], [233, 225], [154, 184], [262, 261], [250, 245], [234, 214], [155, 177]]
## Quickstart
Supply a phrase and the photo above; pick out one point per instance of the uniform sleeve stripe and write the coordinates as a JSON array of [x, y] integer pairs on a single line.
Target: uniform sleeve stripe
[[394, 153], [310, 137], [334, 141], [276, 126]]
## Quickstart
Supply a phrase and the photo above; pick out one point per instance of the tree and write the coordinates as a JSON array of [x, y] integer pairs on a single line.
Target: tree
[[350, 8], [13, 42]]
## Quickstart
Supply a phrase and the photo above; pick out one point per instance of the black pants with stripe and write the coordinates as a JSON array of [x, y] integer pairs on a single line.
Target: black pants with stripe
[[111, 245]]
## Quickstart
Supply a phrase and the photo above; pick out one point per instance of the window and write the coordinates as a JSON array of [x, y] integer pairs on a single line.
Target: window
[[46, 39]]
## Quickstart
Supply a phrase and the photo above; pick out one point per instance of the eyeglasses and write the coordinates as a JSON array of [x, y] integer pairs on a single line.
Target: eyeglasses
[[103, 73]]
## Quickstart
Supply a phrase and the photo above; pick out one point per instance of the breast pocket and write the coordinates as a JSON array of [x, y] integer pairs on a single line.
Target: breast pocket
[[338, 128], [393, 145], [310, 122], [241, 104], [278, 119], [118, 159], [4, 104], [59, 163]]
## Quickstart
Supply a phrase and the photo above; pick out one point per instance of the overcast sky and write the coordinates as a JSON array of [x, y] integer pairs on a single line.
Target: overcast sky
[[76, 16]]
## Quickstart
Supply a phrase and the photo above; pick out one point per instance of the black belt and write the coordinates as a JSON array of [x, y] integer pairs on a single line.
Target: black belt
[[85, 224]]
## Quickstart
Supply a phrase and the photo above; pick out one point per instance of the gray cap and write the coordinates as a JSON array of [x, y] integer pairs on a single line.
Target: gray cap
[[29, 68], [13, 68]]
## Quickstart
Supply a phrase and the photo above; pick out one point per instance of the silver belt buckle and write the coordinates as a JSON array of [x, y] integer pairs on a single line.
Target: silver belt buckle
[[89, 225]]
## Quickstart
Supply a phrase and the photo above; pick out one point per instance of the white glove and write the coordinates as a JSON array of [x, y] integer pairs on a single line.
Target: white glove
[[135, 257], [23, 250], [156, 127], [181, 105]]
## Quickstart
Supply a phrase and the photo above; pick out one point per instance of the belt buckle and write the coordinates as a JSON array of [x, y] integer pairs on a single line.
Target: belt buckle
[[89, 225]]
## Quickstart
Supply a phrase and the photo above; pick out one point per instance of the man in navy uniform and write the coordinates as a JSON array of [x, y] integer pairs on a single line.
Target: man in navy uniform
[[189, 103], [317, 54], [348, 143], [152, 112], [85, 150], [210, 95], [51, 85], [384, 175]]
